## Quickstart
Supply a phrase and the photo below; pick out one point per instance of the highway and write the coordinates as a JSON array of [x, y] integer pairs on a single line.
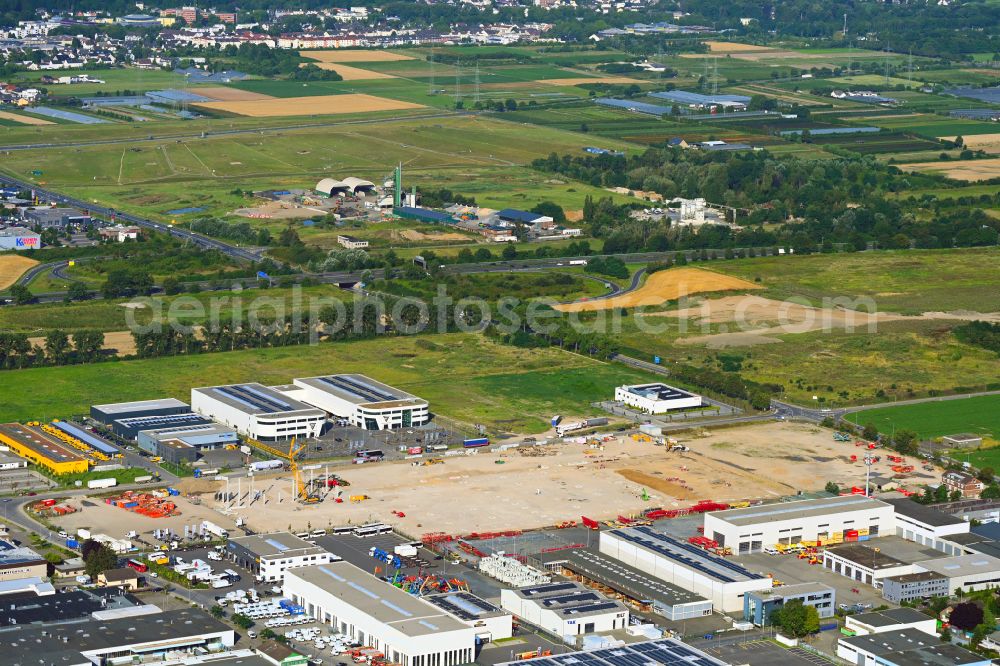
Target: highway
[[197, 239]]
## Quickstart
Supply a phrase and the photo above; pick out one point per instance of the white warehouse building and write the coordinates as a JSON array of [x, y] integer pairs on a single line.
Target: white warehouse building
[[406, 629], [752, 529], [269, 556], [364, 402], [687, 566], [565, 608], [656, 398], [257, 411]]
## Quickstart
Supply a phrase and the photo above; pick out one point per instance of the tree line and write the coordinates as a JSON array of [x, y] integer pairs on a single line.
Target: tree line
[[58, 348]]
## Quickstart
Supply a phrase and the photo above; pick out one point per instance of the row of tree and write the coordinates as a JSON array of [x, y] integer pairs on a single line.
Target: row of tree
[[59, 348]]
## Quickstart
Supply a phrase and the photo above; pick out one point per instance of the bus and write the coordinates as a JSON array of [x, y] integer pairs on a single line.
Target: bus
[[141, 567], [371, 455], [371, 529], [344, 529]]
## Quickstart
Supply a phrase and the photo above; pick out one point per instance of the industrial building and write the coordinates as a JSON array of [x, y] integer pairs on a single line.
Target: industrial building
[[614, 578], [656, 398], [56, 218], [863, 563], [197, 438], [491, 622], [661, 652], [687, 566], [909, 647], [827, 520], [366, 403], [565, 608], [351, 242], [129, 428], [41, 449], [106, 414], [896, 619], [269, 556], [925, 525], [139, 638], [758, 606], [406, 629], [915, 586], [697, 101], [21, 562], [88, 438], [257, 411], [19, 238], [969, 572], [350, 186]]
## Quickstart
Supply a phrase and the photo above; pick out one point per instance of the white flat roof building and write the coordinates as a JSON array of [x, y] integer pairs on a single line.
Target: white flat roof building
[[752, 529], [969, 572], [656, 398], [565, 608], [896, 619], [257, 411], [684, 565], [406, 629], [926, 525], [864, 563], [364, 402], [491, 622], [269, 556]]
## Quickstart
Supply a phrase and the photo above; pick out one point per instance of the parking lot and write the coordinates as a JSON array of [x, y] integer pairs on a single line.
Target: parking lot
[[13, 481]]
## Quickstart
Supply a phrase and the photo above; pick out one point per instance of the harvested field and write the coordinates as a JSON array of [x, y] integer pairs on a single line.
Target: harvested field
[[591, 79], [338, 55], [734, 47], [24, 120], [310, 106], [118, 343], [226, 94], [12, 267], [665, 286], [972, 170], [760, 461], [989, 143], [349, 73]]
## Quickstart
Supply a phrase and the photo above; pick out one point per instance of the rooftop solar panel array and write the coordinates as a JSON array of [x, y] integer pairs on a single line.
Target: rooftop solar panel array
[[663, 652], [161, 421], [687, 554], [359, 388], [254, 399], [629, 580], [549, 588], [463, 605]]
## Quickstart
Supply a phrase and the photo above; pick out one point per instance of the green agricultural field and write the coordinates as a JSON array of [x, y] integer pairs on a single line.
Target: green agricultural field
[[115, 80], [979, 415], [935, 126], [151, 178], [908, 282], [464, 376]]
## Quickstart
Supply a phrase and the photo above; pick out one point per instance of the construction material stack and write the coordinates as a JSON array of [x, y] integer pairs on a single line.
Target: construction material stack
[[508, 570]]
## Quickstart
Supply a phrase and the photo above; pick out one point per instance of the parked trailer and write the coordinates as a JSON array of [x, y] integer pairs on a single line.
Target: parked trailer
[[436, 447], [143, 479], [476, 443], [102, 483], [556, 420], [199, 473], [214, 529], [264, 465]]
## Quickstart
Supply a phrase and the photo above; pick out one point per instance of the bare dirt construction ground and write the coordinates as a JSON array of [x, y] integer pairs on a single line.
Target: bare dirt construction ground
[[278, 210], [224, 94], [338, 55], [12, 267], [665, 286], [414, 235], [103, 518], [24, 120], [753, 320], [349, 73], [310, 106], [750, 462], [989, 143], [970, 171], [592, 79]]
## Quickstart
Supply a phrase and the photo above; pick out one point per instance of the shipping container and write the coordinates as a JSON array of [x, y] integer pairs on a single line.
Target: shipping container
[[102, 483], [414, 450], [72, 543], [476, 442]]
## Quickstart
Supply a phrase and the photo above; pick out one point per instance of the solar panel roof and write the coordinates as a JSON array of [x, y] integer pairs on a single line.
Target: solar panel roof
[[662, 652], [691, 556]]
